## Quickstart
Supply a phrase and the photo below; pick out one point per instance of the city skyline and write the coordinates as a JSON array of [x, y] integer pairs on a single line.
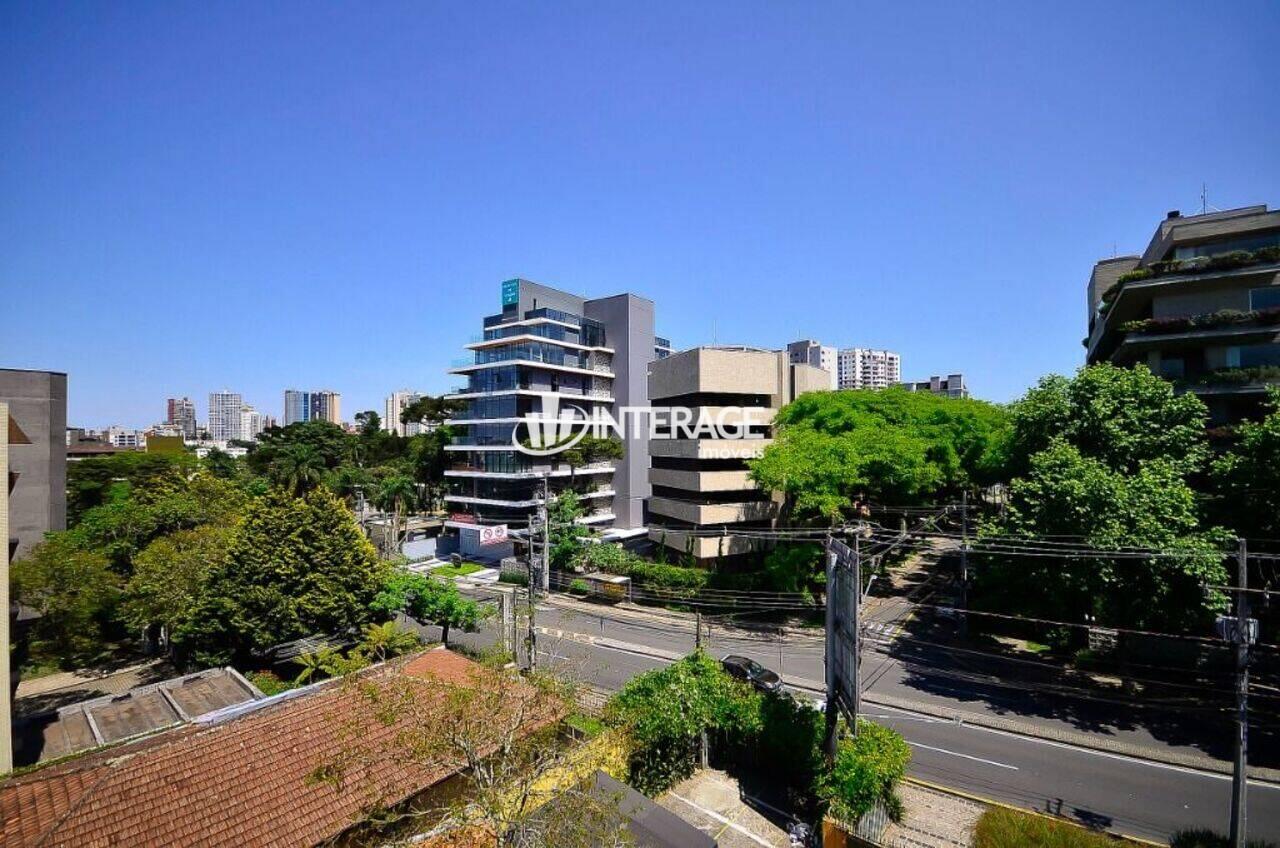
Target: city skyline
[[875, 190]]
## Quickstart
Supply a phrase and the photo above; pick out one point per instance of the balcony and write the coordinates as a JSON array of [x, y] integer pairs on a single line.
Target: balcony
[[700, 514]]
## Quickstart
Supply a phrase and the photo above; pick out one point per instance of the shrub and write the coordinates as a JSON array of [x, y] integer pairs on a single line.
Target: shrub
[[1130, 276], [1200, 838], [665, 712], [1003, 828], [579, 587], [867, 768], [515, 578], [268, 682]]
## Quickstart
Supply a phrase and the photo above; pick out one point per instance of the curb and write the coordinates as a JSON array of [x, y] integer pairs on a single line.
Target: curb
[[991, 802]]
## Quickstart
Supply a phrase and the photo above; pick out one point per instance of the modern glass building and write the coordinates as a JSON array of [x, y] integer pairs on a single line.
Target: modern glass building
[[550, 349]]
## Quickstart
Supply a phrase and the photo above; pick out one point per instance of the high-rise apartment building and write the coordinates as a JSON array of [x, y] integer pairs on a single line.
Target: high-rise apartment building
[[321, 405], [554, 353], [395, 404], [864, 368], [252, 423], [224, 415], [1200, 307], [809, 352], [37, 403], [702, 484], [951, 385], [181, 413]]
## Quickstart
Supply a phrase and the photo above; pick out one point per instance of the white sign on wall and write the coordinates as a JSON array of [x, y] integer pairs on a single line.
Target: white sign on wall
[[493, 535]]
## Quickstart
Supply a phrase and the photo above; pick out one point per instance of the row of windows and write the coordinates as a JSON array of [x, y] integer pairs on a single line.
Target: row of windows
[[1191, 251]]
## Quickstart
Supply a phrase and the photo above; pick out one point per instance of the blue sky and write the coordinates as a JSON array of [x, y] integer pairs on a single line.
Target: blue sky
[[257, 196]]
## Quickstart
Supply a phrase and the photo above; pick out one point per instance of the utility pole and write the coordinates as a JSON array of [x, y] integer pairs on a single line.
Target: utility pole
[[546, 534], [1243, 636], [829, 740], [857, 629], [964, 563], [697, 630]]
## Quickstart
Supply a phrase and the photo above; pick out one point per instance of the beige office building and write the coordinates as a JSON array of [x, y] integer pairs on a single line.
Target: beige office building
[[701, 485]]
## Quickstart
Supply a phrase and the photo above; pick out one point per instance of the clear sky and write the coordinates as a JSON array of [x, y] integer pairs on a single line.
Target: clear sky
[[268, 195]]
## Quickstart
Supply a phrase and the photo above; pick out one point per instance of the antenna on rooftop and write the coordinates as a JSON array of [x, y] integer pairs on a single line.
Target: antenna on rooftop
[[1205, 208]]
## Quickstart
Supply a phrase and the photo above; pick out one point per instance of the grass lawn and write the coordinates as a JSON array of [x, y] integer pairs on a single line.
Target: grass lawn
[[1001, 828], [457, 570]]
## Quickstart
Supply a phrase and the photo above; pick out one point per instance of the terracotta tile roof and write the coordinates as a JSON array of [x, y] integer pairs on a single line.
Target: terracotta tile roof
[[242, 782]]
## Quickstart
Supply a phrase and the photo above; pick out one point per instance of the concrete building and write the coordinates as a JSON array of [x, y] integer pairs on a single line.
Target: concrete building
[[122, 437], [809, 352], [864, 368], [37, 403], [701, 485], [9, 434], [224, 415], [320, 405], [252, 423], [393, 406], [951, 386], [181, 413], [553, 353], [1200, 306]]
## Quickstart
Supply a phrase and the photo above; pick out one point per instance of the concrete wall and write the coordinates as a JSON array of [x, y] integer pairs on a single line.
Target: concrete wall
[[629, 330], [719, 371], [38, 403]]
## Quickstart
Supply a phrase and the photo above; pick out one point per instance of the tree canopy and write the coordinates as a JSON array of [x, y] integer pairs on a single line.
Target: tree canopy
[[896, 446]]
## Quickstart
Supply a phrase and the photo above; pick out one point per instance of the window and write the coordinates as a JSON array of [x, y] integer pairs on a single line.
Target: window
[[1267, 297], [1191, 251], [1173, 367], [1253, 356]]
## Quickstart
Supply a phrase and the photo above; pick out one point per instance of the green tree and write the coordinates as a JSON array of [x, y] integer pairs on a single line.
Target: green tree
[[297, 469], [795, 567], [74, 592], [1120, 416], [427, 599], [1246, 477], [866, 769], [295, 567], [170, 576], [566, 533], [1068, 495], [1105, 458], [589, 450], [221, 464], [396, 495], [428, 458], [383, 641], [831, 448], [106, 479], [430, 409], [327, 440]]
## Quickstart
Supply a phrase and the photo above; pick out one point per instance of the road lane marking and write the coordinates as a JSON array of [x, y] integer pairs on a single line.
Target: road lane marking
[[713, 814], [964, 756], [1253, 781]]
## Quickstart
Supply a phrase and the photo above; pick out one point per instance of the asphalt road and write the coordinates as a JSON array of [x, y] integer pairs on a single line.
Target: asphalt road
[[1126, 795]]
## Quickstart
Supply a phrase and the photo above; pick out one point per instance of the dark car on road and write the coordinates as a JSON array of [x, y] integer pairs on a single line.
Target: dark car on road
[[745, 668]]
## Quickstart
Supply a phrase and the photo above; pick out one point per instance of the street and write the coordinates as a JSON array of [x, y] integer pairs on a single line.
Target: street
[[605, 647]]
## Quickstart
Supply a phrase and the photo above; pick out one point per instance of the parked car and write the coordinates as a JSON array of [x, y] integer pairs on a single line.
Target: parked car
[[745, 668]]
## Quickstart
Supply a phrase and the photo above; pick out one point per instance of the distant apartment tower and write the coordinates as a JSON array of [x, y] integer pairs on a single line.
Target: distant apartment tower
[[549, 349], [1199, 307], [225, 408], [864, 368], [322, 405], [252, 423], [181, 413], [702, 485], [37, 403], [951, 385], [809, 352], [395, 404]]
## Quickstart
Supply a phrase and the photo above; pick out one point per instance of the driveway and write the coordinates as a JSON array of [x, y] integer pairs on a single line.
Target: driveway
[[712, 802]]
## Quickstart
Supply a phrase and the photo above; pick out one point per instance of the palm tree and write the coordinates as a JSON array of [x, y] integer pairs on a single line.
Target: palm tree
[[386, 640], [298, 469], [397, 495]]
